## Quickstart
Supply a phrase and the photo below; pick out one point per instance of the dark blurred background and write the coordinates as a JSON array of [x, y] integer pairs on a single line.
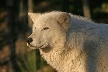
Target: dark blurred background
[[15, 24]]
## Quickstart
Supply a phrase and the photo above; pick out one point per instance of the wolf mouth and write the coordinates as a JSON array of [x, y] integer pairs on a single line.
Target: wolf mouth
[[43, 46], [37, 47], [31, 45]]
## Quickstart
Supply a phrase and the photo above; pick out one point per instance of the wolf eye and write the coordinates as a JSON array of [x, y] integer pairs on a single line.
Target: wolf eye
[[46, 28]]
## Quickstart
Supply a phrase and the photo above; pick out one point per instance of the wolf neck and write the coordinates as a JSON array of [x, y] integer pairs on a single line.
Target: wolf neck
[[58, 59]]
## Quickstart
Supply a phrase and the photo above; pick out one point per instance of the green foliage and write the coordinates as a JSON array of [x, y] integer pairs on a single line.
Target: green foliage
[[28, 63], [104, 5]]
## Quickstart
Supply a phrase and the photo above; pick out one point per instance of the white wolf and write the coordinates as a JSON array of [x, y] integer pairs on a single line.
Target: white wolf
[[70, 43]]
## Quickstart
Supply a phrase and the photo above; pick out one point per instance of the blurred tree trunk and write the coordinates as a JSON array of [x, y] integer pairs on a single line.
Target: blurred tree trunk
[[23, 18], [86, 8], [30, 9], [11, 34]]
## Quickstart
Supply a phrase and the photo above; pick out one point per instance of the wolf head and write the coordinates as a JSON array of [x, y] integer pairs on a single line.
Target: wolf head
[[49, 29]]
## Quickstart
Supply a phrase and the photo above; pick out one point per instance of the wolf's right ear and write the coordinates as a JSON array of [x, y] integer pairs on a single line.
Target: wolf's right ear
[[63, 19], [34, 16]]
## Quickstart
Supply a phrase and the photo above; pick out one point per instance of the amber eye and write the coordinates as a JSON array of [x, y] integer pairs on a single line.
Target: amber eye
[[46, 28]]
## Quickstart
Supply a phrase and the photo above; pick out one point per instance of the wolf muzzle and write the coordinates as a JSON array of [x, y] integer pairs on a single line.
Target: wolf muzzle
[[29, 40]]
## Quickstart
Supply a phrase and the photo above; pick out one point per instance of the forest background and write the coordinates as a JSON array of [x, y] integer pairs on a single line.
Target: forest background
[[15, 24]]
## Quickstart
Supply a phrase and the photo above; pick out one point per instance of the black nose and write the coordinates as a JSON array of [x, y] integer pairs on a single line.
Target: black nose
[[29, 40]]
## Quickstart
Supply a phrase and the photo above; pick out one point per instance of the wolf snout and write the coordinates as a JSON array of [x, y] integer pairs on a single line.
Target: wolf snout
[[29, 40]]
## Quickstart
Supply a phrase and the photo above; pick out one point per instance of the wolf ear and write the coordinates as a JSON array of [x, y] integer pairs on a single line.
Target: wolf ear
[[34, 16], [64, 20]]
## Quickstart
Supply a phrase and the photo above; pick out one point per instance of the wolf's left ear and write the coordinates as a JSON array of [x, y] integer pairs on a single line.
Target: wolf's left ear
[[34, 16], [64, 20]]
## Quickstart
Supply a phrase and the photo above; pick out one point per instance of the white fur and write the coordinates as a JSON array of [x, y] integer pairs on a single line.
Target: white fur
[[79, 46]]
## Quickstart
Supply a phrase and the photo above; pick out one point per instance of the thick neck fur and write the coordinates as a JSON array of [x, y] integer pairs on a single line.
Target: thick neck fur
[[68, 58]]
